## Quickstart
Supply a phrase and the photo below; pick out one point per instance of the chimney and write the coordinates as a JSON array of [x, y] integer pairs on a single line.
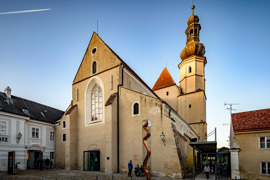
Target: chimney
[[8, 92]]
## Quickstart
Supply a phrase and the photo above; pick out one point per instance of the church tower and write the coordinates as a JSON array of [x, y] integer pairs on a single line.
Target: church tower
[[192, 99]]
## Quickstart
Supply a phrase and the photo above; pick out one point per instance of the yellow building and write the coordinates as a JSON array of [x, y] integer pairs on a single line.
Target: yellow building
[[102, 128], [250, 148]]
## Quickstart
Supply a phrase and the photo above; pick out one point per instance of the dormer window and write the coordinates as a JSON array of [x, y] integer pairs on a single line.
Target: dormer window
[[94, 67]]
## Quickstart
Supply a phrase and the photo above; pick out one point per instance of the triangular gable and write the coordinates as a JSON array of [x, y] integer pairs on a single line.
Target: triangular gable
[[164, 80], [104, 57]]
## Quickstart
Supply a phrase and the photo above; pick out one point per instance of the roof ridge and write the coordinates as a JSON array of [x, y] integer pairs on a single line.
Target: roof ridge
[[33, 102]]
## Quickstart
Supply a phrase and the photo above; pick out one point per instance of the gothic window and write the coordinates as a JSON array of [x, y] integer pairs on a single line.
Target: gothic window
[[135, 108], [94, 67], [96, 103], [189, 69]]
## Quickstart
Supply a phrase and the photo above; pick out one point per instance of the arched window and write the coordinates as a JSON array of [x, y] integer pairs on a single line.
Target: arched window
[[94, 67], [189, 69], [135, 108], [191, 32], [64, 124], [96, 103]]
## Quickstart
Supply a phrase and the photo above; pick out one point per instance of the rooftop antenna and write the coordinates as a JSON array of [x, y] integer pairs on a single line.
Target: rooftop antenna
[[231, 126], [97, 26], [230, 106]]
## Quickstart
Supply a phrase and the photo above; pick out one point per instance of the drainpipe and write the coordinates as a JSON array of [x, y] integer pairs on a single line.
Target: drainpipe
[[121, 68]]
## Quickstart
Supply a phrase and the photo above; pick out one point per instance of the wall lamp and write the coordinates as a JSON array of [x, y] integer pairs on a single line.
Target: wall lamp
[[19, 136], [162, 136]]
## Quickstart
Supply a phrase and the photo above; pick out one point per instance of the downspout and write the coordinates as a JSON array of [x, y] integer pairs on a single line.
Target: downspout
[[121, 67]]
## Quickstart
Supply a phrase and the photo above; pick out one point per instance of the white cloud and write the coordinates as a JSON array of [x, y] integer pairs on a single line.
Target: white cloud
[[25, 11]]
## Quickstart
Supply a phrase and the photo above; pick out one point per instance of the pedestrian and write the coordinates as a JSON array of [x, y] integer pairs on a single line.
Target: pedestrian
[[130, 167], [47, 161], [51, 164], [207, 170]]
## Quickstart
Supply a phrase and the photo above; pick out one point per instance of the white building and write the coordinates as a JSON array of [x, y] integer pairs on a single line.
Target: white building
[[27, 128]]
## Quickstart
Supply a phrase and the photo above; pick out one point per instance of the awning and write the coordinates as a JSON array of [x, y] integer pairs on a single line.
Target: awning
[[205, 147]]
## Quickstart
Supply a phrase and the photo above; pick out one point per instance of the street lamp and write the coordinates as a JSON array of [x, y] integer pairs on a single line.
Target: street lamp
[[19, 136]]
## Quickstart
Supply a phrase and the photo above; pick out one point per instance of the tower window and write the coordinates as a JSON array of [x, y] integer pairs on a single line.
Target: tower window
[[94, 67], [94, 50], [136, 109], [189, 69], [189, 106], [196, 31], [64, 124], [64, 137], [191, 32], [167, 93]]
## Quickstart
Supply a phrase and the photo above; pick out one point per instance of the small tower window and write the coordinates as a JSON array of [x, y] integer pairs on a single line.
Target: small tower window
[[167, 93], [196, 31], [64, 124], [94, 50], [191, 32], [189, 106], [189, 69], [94, 67], [136, 109]]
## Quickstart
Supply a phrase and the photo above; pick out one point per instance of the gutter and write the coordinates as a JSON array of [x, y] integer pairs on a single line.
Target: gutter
[[121, 67]]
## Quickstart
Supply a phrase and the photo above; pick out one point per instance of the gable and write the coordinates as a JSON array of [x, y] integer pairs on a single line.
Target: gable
[[97, 51]]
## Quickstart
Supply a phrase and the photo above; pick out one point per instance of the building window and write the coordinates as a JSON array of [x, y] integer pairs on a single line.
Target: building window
[[189, 69], [96, 103], [191, 32], [64, 124], [265, 142], [51, 136], [51, 155], [265, 168], [94, 67], [77, 94], [3, 127], [94, 50], [135, 108], [35, 133], [64, 137], [189, 106], [167, 93]]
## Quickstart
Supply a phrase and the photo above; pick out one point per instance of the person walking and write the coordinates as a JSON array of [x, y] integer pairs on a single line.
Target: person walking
[[130, 167], [47, 161], [207, 170]]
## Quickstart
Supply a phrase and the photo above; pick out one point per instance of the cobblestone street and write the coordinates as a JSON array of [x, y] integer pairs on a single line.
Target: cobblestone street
[[81, 175]]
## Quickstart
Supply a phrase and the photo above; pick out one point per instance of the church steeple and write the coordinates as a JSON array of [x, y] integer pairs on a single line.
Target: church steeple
[[193, 44]]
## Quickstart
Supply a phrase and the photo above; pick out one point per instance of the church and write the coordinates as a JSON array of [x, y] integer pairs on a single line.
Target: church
[[101, 130]]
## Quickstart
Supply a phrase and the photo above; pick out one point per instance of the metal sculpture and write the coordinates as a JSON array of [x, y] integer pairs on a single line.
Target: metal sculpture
[[148, 134]]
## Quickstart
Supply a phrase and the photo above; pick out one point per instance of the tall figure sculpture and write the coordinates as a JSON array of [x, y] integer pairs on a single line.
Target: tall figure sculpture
[[148, 134]]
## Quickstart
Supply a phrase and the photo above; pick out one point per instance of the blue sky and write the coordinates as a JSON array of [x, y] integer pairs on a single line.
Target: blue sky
[[40, 52]]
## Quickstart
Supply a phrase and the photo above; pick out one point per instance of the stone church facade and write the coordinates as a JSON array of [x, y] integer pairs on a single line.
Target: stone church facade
[[101, 130]]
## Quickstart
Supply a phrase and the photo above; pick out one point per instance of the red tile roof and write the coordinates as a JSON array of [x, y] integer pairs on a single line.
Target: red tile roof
[[164, 80], [251, 120]]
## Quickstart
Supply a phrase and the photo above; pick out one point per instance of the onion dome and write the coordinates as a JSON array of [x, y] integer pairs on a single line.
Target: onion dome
[[193, 44]]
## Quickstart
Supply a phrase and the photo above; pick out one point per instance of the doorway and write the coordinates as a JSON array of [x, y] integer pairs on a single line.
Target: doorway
[[91, 160], [33, 155]]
